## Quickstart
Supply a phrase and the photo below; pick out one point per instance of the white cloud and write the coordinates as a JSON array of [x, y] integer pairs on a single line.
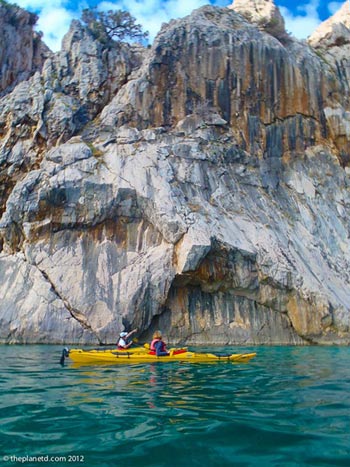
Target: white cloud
[[302, 24], [54, 19], [39, 4], [54, 23]]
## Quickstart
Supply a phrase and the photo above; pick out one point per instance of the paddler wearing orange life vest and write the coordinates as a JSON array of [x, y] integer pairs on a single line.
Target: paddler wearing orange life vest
[[158, 346]]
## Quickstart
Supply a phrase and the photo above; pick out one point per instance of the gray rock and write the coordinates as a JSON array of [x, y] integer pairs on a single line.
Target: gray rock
[[264, 13], [22, 51], [204, 191]]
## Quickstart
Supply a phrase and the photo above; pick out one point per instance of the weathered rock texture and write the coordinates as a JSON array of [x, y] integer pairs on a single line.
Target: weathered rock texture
[[200, 186], [331, 41], [262, 13], [22, 51]]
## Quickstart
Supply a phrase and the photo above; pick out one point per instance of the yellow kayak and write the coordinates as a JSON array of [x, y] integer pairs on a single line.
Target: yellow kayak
[[179, 355]]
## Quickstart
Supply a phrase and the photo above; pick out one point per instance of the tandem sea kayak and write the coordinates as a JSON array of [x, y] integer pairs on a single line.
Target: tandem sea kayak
[[179, 355]]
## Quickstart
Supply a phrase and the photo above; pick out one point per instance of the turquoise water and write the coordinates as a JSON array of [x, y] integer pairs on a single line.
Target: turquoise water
[[290, 406]]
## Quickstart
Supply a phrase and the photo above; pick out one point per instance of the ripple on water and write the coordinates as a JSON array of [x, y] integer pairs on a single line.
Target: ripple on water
[[289, 406]]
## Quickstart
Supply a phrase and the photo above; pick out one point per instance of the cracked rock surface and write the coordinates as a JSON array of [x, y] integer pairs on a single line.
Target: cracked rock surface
[[200, 186]]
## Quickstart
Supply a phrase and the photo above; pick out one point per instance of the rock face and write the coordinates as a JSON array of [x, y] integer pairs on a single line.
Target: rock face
[[200, 186], [262, 13], [22, 51], [50, 107], [331, 40]]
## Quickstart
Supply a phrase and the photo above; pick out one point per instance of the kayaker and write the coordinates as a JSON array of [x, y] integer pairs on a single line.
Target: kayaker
[[158, 346], [123, 341]]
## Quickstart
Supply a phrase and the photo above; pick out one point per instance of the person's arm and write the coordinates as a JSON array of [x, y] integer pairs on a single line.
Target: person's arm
[[131, 333]]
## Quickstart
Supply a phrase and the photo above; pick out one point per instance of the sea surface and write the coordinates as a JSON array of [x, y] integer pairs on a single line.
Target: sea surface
[[290, 406]]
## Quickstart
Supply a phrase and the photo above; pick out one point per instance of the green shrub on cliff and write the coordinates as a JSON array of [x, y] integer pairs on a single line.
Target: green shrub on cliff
[[116, 25]]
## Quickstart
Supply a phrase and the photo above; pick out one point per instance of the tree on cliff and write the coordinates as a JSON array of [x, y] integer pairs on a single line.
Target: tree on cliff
[[116, 25]]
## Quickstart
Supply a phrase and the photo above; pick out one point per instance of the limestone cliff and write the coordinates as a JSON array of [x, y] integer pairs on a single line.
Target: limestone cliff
[[331, 41], [22, 51], [264, 14], [200, 186]]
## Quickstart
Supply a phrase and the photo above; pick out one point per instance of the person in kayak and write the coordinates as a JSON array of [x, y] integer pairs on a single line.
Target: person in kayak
[[123, 341], [158, 346]]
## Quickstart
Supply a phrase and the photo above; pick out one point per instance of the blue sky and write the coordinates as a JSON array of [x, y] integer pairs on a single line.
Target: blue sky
[[301, 16]]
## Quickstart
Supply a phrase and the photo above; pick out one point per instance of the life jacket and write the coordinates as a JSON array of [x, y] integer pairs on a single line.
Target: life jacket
[[152, 347], [119, 347]]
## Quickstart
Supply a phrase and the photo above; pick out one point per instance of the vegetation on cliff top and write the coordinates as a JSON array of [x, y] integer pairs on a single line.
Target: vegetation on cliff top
[[110, 26]]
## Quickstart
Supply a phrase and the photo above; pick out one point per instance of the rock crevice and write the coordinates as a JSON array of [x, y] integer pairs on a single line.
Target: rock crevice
[[200, 186]]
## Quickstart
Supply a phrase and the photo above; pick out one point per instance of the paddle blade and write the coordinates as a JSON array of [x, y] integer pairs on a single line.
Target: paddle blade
[[65, 353]]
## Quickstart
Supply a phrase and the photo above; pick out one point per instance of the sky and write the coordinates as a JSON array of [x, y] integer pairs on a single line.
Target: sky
[[301, 16]]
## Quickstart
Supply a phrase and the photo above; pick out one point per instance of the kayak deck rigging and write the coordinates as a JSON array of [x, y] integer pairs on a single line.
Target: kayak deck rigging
[[144, 356]]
